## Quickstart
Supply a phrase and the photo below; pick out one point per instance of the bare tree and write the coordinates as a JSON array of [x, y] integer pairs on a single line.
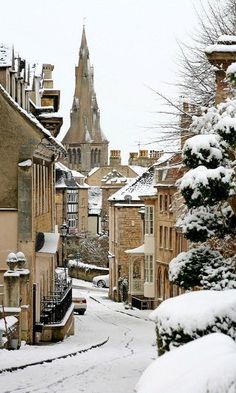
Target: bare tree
[[196, 81], [196, 74]]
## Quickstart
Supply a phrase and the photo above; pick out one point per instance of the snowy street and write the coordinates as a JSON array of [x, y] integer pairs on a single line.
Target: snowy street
[[113, 367]]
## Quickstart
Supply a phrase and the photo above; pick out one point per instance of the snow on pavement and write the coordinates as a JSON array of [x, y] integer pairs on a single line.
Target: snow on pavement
[[115, 367]]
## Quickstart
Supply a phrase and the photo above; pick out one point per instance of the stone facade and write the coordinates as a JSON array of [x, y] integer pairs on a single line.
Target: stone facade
[[27, 157], [125, 231], [221, 55]]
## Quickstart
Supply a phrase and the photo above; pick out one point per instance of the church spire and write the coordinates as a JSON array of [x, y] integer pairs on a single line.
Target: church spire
[[85, 130], [84, 52]]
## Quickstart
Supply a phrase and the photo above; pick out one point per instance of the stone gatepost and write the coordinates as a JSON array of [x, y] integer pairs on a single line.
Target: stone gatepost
[[12, 299], [12, 283], [24, 294]]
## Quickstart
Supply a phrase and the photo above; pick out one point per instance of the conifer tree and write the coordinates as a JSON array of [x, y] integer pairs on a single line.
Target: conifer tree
[[209, 191]]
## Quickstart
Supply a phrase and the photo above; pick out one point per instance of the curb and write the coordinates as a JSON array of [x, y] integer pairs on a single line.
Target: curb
[[120, 311], [15, 368]]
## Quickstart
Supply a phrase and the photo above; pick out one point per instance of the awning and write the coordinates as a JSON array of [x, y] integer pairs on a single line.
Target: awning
[[137, 250], [51, 241]]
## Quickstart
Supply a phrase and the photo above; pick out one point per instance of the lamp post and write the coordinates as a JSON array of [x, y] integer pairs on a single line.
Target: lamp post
[[64, 232]]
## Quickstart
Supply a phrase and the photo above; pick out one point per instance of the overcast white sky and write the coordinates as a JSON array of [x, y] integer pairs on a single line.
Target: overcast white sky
[[132, 43]]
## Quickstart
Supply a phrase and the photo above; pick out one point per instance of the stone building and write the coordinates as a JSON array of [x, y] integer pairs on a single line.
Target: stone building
[[125, 231], [221, 55], [71, 200], [86, 145], [169, 240], [144, 157], [150, 197], [28, 152]]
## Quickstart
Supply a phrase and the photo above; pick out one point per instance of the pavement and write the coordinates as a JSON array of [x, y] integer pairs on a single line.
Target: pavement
[[26, 355]]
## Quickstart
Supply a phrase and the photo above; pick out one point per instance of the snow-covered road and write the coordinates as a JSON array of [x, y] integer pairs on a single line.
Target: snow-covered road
[[114, 367]]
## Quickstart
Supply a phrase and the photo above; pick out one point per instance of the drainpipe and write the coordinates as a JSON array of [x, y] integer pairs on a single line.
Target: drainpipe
[[34, 314]]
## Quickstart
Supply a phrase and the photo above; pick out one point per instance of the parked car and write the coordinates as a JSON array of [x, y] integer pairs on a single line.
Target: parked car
[[101, 281], [80, 303]]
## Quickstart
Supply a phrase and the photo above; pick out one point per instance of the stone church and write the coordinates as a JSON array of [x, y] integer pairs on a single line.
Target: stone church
[[86, 145]]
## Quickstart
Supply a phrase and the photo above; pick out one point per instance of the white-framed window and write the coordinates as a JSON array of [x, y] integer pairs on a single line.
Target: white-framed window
[[72, 208], [148, 220], [72, 196], [72, 221], [149, 268]]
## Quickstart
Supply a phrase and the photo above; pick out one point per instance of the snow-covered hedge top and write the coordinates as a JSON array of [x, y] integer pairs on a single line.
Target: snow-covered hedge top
[[204, 365], [195, 310], [85, 266]]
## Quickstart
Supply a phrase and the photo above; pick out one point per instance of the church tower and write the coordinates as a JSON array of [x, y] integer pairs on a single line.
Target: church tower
[[86, 145]]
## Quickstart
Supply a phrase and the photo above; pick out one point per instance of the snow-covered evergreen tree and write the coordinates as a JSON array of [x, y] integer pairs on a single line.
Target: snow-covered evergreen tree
[[209, 190]]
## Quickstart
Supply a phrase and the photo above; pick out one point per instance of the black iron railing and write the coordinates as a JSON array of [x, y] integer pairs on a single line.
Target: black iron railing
[[55, 306], [141, 303]]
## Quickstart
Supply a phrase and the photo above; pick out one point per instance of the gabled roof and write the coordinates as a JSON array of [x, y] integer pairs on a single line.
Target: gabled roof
[[144, 185], [34, 122], [64, 177], [139, 186], [167, 175]]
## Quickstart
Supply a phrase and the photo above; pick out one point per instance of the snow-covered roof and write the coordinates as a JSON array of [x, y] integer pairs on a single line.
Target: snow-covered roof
[[164, 157], [77, 174], [51, 241], [138, 169], [114, 177], [49, 114], [137, 250], [93, 171], [204, 365], [64, 177], [94, 200], [143, 185], [5, 56]]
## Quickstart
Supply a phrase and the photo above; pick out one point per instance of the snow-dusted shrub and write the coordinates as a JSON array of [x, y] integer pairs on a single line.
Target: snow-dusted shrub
[[219, 274], [203, 267], [226, 128], [206, 365], [203, 150], [201, 223], [184, 270], [202, 186], [192, 315]]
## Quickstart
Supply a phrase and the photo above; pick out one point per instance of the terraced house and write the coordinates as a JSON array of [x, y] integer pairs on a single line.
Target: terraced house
[[28, 151]]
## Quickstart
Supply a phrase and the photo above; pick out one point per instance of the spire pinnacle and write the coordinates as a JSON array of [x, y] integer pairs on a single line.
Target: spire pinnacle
[[84, 46]]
